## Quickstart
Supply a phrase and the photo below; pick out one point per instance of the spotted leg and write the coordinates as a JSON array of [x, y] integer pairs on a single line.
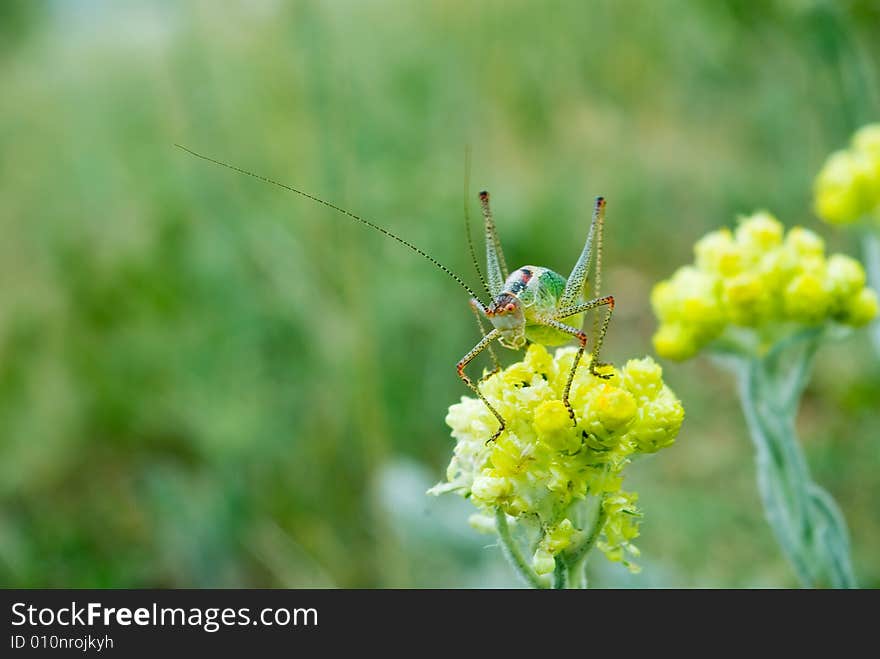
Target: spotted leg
[[608, 301], [462, 364], [496, 365]]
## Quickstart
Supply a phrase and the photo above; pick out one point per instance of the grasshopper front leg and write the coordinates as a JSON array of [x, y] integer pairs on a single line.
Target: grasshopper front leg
[[476, 307], [462, 364]]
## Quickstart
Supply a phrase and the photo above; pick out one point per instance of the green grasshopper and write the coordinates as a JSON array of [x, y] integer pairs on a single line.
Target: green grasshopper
[[528, 304]]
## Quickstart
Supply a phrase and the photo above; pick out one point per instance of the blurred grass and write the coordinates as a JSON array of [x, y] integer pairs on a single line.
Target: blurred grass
[[208, 382]]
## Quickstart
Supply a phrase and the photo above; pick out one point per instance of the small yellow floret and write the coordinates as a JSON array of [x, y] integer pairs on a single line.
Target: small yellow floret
[[746, 299], [551, 416], [759, 232], [839, 189], [615, 407], [675, 341], [558, 538], [867, 140], [806, 299], [543, 561], [862, 308], [848, 185], [804, 242], [846, 277]]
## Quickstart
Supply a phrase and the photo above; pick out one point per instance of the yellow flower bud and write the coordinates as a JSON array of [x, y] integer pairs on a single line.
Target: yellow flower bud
[[553, 426], [806, 299], [845, 277], [759, 232], [517, 506], [867, 140], [551, 416], [657, 422], [675, 341], [490, 489], [517, 375], [539, 360], [621, 528], [507, 456], [842, 193], [558, 538], [745, 298], [804, 242], [607, 412], [643, 377], [689, 296], [543, 561], [717, 252], [664, 299], [862, 308], [614, 407]]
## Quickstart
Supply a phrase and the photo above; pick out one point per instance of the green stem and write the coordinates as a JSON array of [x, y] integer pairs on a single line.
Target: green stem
[[835, 537], [774, 479], [807, 524], [871, 248], [574, 559], [578, 575], [577, 553], [560, 575], [512, 553]]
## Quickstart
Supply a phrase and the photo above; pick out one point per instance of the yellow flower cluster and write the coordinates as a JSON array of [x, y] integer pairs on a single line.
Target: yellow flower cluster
[[848, 186], [757, 277], [543, 465]]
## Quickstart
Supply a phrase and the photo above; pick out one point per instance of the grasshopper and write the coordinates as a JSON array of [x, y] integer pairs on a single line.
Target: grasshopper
[[532, 303]]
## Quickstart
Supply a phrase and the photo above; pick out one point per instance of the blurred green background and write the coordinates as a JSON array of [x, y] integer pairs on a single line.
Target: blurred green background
[[205, 381]]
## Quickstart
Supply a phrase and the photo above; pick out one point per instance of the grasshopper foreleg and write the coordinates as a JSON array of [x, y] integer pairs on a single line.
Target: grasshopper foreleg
[[462, 364]]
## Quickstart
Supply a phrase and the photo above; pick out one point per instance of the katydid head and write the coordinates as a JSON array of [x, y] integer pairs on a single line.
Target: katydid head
[[505, 313]]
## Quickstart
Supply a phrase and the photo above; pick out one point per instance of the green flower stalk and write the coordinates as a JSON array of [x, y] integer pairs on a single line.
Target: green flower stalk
[[847, 191], [762, 301], [551, 490]]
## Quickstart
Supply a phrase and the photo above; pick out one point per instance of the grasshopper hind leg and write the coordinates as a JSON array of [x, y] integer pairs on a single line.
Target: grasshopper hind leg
[[607, 301], [599, 333], [581, 336]]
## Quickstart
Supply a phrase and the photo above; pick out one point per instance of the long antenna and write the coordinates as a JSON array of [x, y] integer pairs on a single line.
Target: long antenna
[[467, 220], [391, 235], [597, 279]]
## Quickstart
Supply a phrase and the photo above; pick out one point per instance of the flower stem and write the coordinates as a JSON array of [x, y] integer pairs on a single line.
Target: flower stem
[[577, 553], [513, 554], [806, 521], [560, 575], [575, 558], [871, 248]]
